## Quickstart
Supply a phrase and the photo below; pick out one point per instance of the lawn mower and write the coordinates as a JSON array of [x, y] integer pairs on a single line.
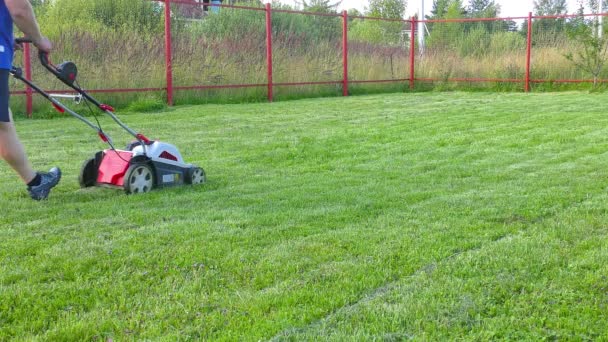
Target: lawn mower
[[144, 165]]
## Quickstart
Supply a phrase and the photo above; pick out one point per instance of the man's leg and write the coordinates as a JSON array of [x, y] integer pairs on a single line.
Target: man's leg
[[39, 184], [11, 148], [13, 152]]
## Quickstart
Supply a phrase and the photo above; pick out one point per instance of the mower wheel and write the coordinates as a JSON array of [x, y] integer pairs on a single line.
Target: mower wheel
[[88, 173], [196, 175], [139, 178]]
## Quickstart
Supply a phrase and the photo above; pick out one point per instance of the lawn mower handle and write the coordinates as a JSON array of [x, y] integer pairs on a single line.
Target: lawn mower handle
[[44, 60], [18, 74], [44, 56], [23, 40]]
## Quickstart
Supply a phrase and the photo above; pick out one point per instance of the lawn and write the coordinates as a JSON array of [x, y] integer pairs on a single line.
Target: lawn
[[430, 216]]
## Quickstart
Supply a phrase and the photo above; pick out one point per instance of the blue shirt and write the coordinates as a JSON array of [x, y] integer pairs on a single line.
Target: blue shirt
[[6, 37]]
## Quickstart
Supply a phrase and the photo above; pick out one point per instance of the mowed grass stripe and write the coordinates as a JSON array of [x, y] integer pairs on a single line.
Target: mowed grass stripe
[[310, 206], [545, 282]]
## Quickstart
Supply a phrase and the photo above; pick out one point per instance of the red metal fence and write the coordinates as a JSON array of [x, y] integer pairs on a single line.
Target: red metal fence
[[439, 61]]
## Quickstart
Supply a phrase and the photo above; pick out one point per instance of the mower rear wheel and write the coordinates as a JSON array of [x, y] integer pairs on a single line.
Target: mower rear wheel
[[139, 178], [196, 175], [88, 173]]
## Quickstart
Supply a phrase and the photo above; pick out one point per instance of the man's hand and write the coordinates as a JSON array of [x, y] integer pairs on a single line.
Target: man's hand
[[44, 44]]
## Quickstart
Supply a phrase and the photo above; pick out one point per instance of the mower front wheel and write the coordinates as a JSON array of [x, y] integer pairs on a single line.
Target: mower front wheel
[[196, 175], [139, 178]]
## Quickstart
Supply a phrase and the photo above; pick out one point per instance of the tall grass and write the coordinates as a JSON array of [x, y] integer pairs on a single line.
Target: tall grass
[[230, 48]]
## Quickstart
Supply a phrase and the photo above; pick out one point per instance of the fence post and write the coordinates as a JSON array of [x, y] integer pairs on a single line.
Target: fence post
[[345, 52], [168, 53], [528, 53], [27, 65], [269, 49], [412, 52]]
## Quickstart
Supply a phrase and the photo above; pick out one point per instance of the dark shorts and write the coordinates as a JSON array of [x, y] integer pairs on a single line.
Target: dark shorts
[[4, 94]]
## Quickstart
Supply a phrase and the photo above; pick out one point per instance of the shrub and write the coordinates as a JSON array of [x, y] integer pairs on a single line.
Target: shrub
[[502, 42], [126, 15], [475, 43]]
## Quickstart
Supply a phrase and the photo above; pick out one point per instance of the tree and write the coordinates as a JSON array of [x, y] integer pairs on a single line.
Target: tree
[[549, 30], [593, 51], [323, 6], [483, 9], [441, 7], [444, 35], [390, 9], [550, 7], [382, 32], [321, 27], [353, 12], [440, 11]]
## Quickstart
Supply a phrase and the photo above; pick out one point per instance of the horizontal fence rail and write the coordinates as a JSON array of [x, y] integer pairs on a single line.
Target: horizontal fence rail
[[438, 58]]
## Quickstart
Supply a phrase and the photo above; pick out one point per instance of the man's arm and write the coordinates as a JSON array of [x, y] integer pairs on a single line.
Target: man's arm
[[23, 16]]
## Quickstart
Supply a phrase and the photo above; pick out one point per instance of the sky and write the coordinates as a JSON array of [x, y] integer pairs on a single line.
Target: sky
[[509, 8]]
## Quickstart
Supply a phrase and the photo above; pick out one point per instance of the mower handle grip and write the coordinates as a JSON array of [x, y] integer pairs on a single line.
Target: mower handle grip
[[44, 56], [23, 40]]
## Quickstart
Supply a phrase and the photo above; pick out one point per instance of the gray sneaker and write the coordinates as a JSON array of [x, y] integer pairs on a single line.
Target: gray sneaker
[[47, 182]]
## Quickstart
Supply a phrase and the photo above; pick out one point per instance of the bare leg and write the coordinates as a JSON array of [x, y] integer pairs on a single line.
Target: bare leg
[[13, 152]]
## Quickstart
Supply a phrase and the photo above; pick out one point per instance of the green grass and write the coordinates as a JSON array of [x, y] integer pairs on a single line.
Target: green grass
[[430, 216]]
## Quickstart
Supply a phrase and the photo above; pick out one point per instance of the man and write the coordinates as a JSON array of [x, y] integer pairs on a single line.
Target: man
[[19, 12]]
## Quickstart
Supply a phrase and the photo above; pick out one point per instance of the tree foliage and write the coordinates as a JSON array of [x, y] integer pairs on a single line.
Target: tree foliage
[[483, 9], [471, 37], [441, 7], [593, 51], [550, 7], [381, 32], [390, 9], [548, 31], [443, 35], [322, 6], [137, 15]]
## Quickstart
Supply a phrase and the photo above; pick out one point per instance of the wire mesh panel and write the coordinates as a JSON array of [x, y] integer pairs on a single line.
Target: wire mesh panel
[[551, 45], [219, 51], [307, 53], [115, 44], [473, 51], [569, 51], [213, 51], [121, 46], [379, 53]]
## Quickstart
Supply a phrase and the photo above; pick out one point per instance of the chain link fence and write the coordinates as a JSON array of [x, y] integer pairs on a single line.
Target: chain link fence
[[194, 51]]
